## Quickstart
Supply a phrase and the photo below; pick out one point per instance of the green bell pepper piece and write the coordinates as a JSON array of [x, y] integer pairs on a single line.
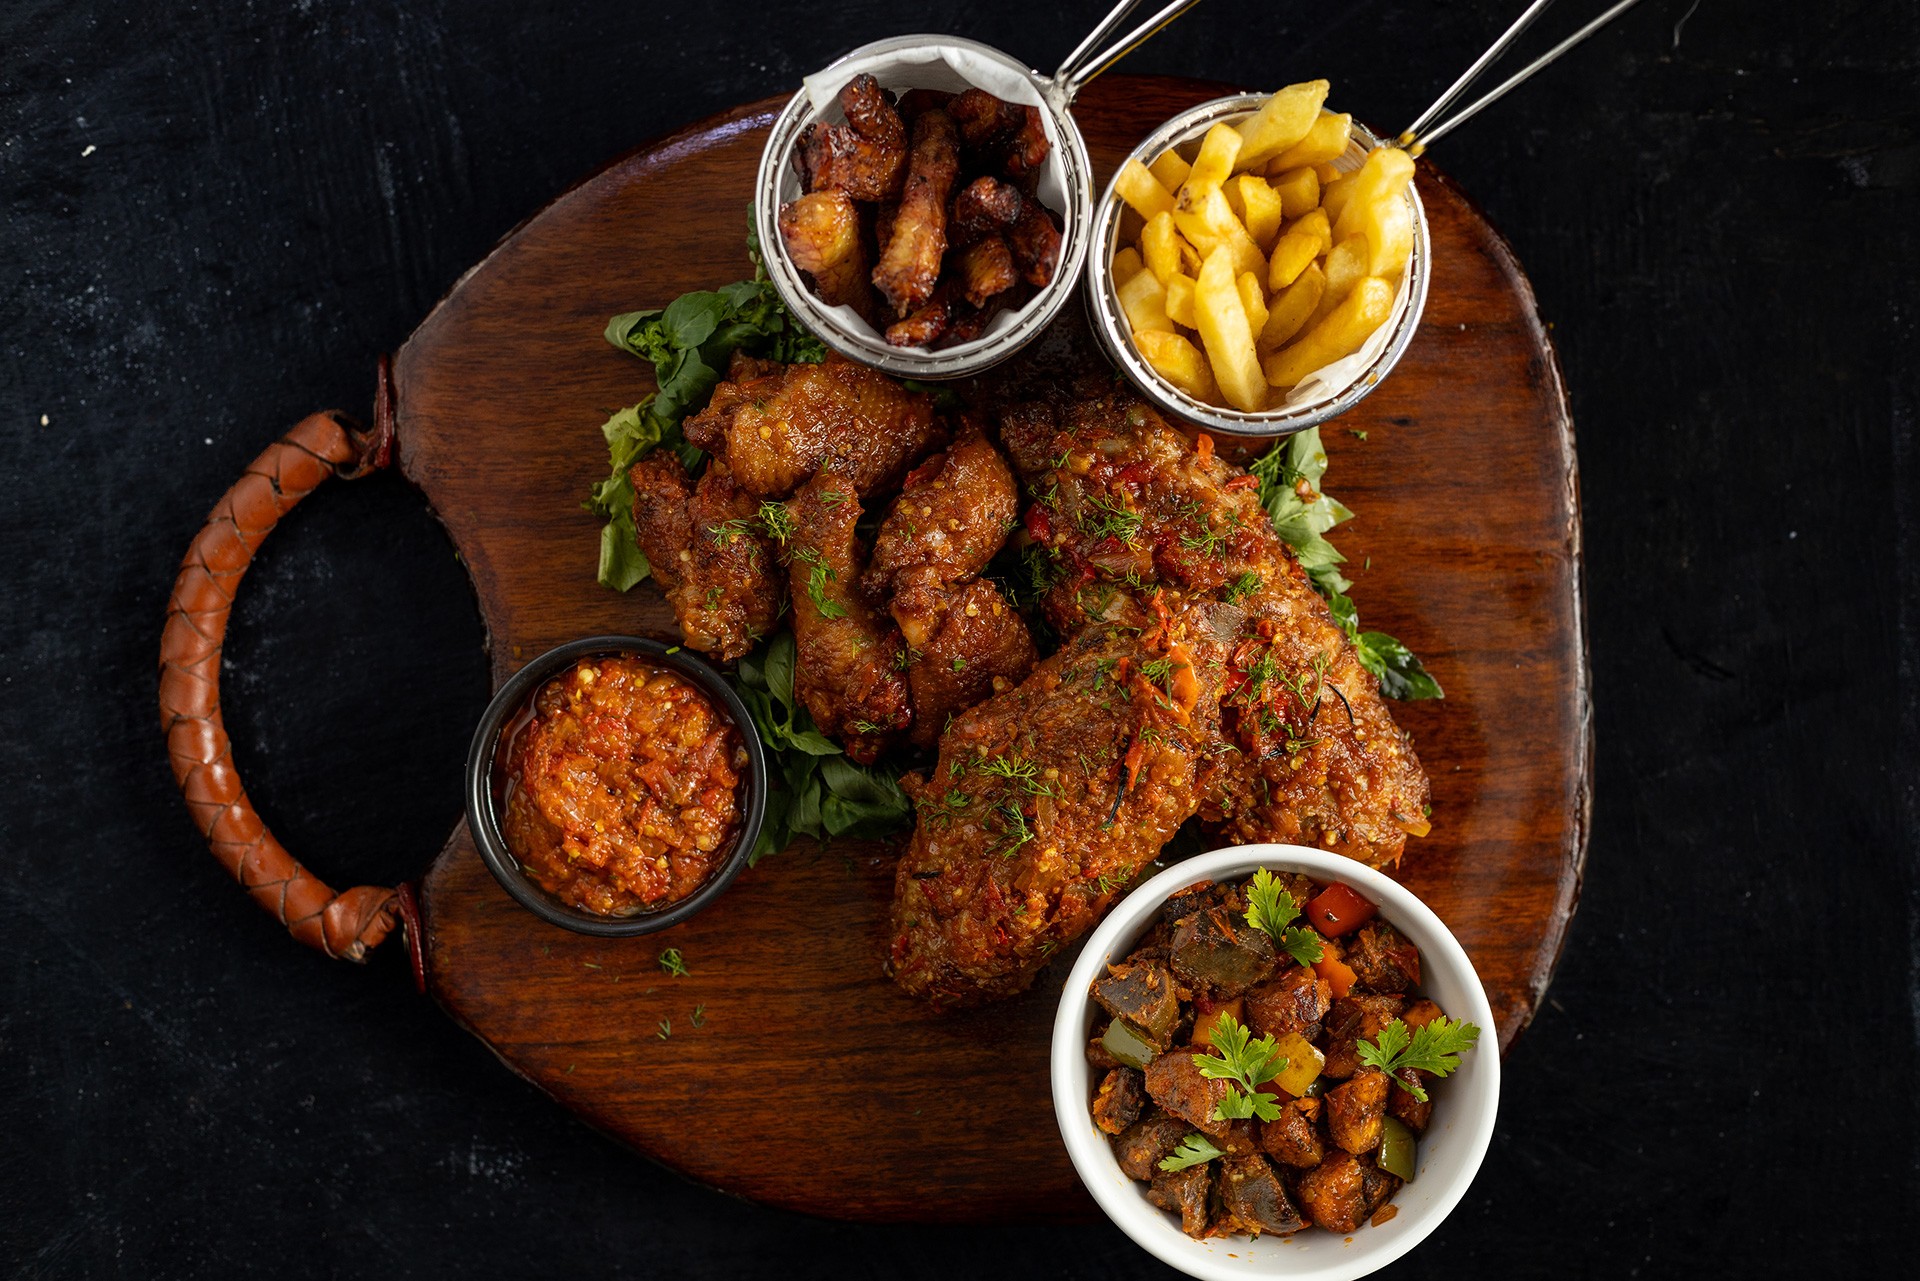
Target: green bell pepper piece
[[1396, 1148]]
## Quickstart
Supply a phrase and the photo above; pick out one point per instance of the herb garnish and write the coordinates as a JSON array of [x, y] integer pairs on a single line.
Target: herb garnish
[[1247, 1064], [689, 342], [1302, 513], [1434, 1047], [1271, 907], [673, 963], [1195, 1149]]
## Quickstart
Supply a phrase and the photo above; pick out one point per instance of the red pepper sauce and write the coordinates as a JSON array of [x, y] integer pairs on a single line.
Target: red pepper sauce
[[623, 786]]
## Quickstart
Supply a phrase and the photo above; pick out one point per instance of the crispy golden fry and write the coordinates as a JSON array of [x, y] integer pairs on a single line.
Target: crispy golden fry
[[1178, 361], [1253, 296], [1261, 208], [1326, 172], [1136, 185], [1214, 163], [1180, 290], [1144, 299], [1324, 143], [1127, 264], [1208, 223], [1227, 335], [1316, 224], [1341, 333], [1346, 267], [910, 262], [1333, 196], [1387, 227], [1291, 308], [1171, 169], [822, 234], [1384, 176], [1299, 191], [1167, 252], [1291, 254], [1282, 122]]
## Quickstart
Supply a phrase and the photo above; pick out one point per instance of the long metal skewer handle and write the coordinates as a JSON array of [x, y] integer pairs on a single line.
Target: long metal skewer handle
[[1418, 137], [1089, 58]]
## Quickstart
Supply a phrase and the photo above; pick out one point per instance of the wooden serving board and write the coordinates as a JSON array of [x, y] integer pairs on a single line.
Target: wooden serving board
[[810, 1082]]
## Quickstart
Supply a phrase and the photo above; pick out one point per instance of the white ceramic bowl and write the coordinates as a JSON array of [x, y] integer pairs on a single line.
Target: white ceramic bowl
[[1450, 1151]]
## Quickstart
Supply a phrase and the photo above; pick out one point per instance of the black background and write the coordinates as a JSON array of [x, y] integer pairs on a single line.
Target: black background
[[216, 215]]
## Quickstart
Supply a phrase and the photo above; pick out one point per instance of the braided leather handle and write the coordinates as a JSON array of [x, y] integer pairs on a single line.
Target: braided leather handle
[[342, 925]]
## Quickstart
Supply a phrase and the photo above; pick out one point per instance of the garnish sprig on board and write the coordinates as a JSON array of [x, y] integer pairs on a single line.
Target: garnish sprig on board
[[689, 343], [1302, 513], [1247, 1064], [1433, 1047], [1271, 907]]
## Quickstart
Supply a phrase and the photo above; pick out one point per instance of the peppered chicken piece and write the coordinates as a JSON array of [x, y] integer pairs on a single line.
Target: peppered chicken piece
[[708, 552], [1176, 1082], [926, 324], [1311, 754], [777, 429], [965, 643], [823, 236], [1045, 801], [984, 207], [847, 657], [1333, 1193], [867, 157], [1034, 240], [910, 258], [986, 270], [953, 513]]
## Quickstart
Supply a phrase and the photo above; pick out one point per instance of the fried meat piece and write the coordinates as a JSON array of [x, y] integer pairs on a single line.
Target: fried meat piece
[[822, 233], [1315, 758], [1009, 135], [847, 658], [776, 430], [910, 259], [708, 552], [986, 270], [927, 323], [985, 207], [1176, 1083], [1185, 1193], [965, 642], [953, 513], [1045, 800], [866, 157], [1035, 242]]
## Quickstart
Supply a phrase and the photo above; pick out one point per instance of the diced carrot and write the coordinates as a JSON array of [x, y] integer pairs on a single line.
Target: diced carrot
[[1338, 974], [1419, 1014], [1339, 910], [1203, 1025]]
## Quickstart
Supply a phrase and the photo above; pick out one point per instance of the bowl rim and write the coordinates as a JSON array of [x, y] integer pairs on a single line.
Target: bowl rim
[[1086, 1146], [967, 359], [1110, 325], [483, 819]]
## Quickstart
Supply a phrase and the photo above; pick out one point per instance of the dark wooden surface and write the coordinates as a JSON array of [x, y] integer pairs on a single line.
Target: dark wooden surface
[[500, 396], [1717, 206]]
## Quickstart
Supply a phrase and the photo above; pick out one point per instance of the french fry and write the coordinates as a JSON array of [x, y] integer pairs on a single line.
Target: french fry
[[1167, 252], [1385, 175], [1215, 161], [1136, 185], [1282, 122], [1387, 226], [1145, 302], [1314, 223], [1299, 190], [1341, 333], [1253, 297], [1178, 361], [1261, 208], [1325, 141], [1293, 253], [1346, 267], [1334, 196], [1326, 172], [1210, 224], [1170, 169], [1226, 335], [1127, 264], [1289, 310], [1180, 290]]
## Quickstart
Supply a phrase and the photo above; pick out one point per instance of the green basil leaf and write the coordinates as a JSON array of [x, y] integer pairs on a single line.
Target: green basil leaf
[[1401, 674]]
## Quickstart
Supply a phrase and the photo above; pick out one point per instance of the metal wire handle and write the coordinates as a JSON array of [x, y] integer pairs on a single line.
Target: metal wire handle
[[1417, 137], [1089, 59]]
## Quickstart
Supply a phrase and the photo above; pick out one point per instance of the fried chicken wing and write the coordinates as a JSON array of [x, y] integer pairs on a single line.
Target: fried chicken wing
[[910, 259], [1035, 242], [986, 270], [953, 514], [1133, 507], [1045, 801], [985, 207], [708, 552], [822, 233], [965, 642], [867, 157], [1013, 136], [848, 662], [927, 323], [777, 429]]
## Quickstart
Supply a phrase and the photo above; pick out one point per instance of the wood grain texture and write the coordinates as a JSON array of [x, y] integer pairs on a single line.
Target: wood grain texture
[[1466, 546]]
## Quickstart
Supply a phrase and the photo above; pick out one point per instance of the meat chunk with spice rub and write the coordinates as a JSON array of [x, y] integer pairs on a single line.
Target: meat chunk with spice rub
[[709, 554]]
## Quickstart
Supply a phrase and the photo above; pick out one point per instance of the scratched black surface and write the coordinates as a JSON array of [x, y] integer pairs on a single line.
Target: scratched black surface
[[216, 217]]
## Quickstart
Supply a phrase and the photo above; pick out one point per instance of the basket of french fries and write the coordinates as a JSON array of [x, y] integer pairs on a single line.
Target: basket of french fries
[[1259, 263]]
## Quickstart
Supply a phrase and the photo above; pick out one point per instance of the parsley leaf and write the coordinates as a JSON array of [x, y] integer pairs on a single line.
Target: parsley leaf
[[688, 342], [1195, 1149], [1271, 907], [1247, 1064], [1435, 1047]]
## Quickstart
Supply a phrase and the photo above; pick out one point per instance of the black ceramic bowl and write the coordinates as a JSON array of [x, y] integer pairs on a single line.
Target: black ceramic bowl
[[483, 817]]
